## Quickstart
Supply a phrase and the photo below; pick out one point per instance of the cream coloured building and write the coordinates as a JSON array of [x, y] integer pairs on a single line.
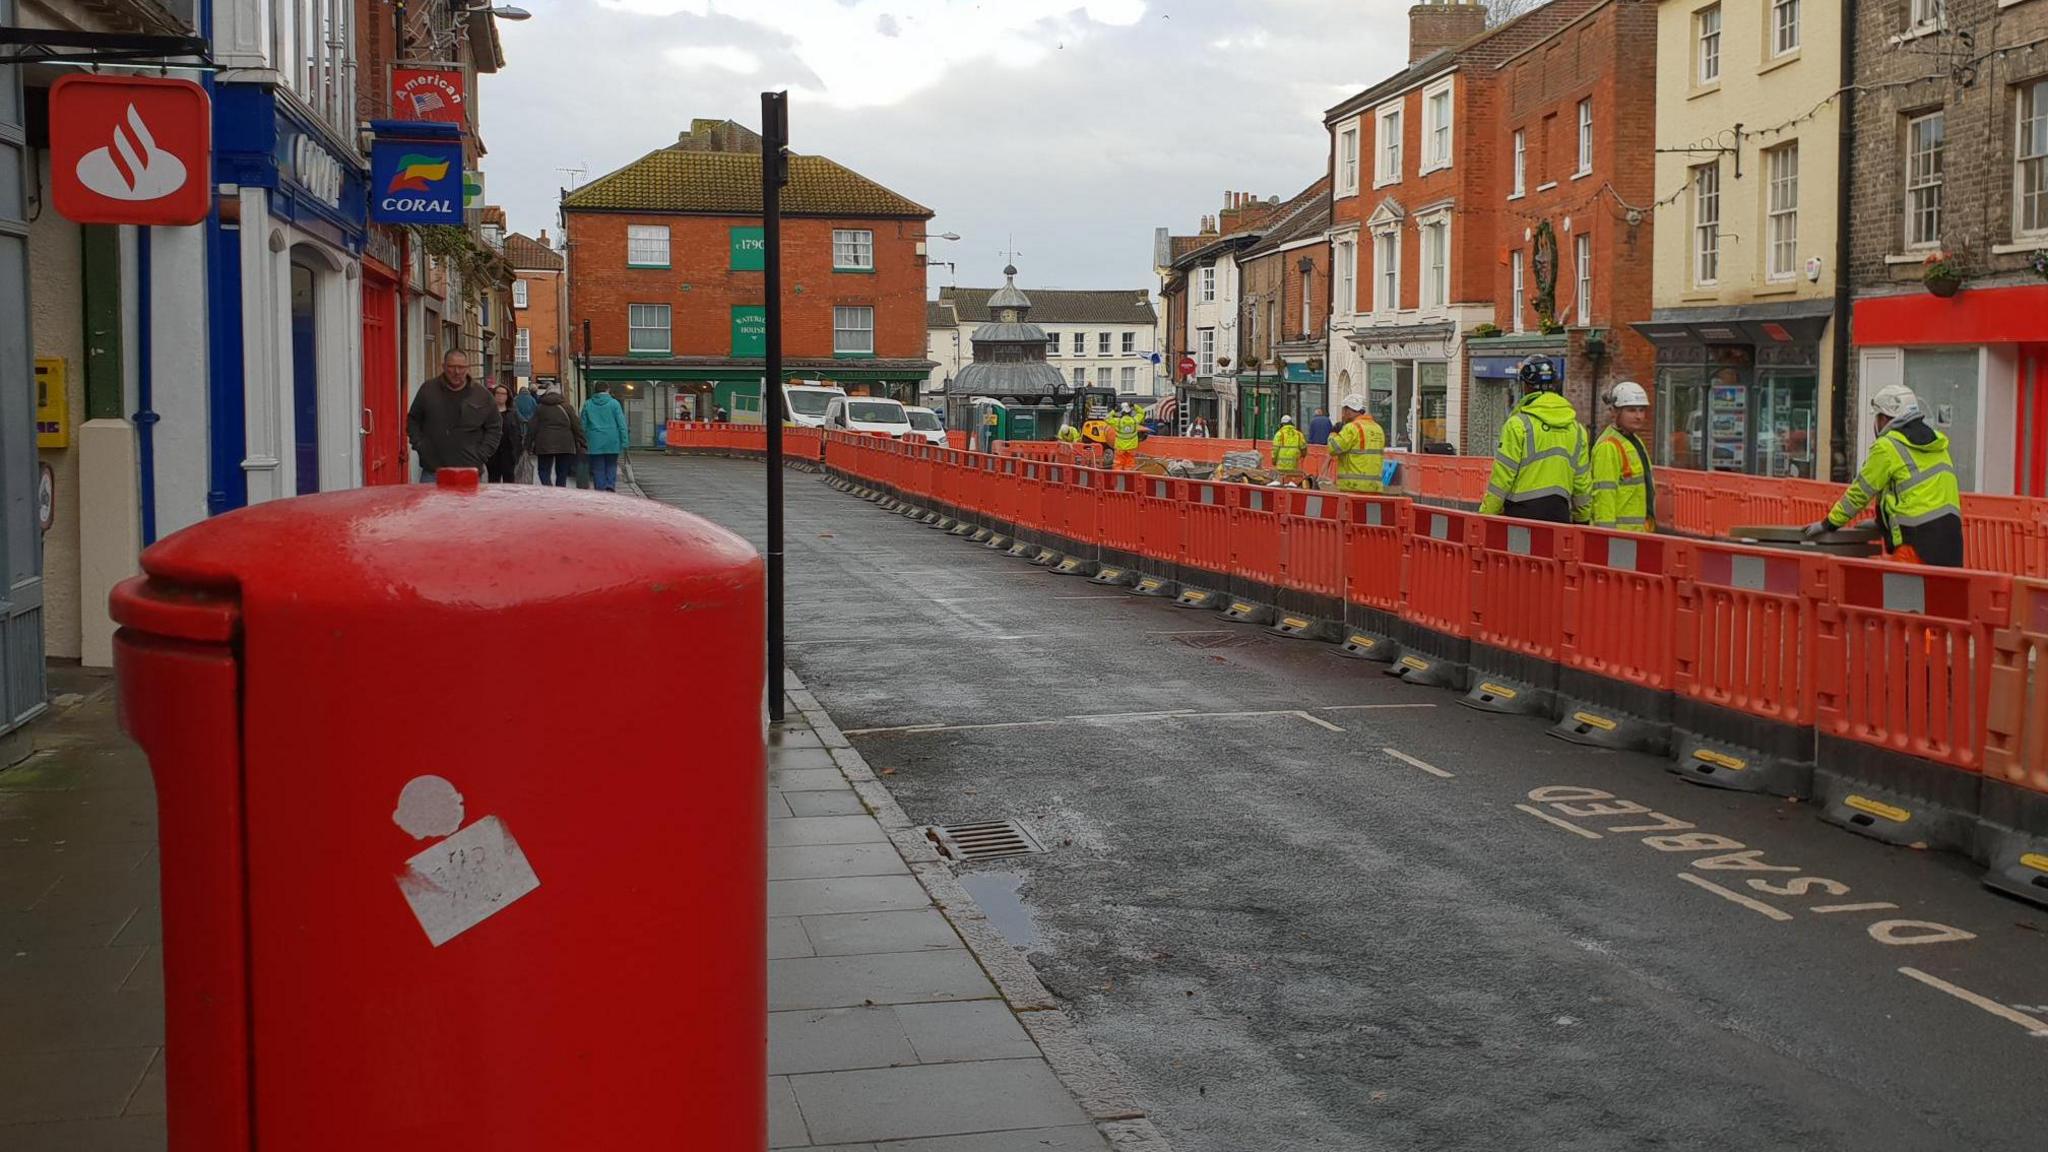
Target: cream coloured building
[[1744, 309]]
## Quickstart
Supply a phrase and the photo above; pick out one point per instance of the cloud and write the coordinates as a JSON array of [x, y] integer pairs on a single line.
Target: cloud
[[1074, 125]]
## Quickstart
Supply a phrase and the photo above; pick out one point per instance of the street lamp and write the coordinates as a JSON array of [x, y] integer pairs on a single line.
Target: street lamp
[[502, 12]]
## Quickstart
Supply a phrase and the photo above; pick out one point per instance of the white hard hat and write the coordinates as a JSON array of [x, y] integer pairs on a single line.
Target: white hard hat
[[1629, 394], [1895, 401], [1355, 402], [1287, 419]]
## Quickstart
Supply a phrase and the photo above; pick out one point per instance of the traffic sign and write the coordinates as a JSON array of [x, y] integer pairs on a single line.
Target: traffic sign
[[130, 150], [1187, 366]]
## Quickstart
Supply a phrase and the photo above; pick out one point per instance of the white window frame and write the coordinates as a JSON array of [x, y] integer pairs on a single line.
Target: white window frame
[[519, 293], [522, 347], [1436, 278], [1080, 343], [1345, 269], [1386, 271], [1347, 160], [1585, 138], [637, 322], [1102, 343], [1582, 276], [846, 329], [1706, 39], [1925, 192], [1781, 213], [1706, 232], [1080, 377], [1129, 379], [1207, 295], [2023, 158], [639, 238], [1439, 142], [1305, 319], [1521, 187], [1386, 152], [1129, 345], [1926, 14], [1518, 283], [853, 250], [1205, 352], [1784, 29]]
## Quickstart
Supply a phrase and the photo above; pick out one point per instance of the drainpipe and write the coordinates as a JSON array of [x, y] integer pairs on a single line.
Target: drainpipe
[[145, 416], [1844, 408]]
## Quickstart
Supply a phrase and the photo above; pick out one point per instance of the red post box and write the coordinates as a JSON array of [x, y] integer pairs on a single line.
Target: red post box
[[461, 809]]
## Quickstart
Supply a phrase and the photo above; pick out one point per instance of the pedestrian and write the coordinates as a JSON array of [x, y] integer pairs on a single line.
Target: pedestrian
[[604, 429], [1288, 445], [1126, 424], [721, 415], [557, 439], [1910, 474], [1319, 428], [453, 421], [1358, 449], [1624, 494], [1541, 470], [503, 466], [1200, 429], [526, 403]]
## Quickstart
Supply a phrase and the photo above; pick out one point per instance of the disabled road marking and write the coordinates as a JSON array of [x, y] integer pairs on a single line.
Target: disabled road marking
[[1412, 762], [1734, 897], [2031, 1024], [1567, 825]]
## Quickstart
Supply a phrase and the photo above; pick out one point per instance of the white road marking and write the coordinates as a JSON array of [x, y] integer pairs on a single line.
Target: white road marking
[[1876, 906], [1412, 762], [1201, 632], [1320, 723], [1026, 636], [1360, 707], [1094, 718], [1736, 897], [2036, 1026], [1567, 825]]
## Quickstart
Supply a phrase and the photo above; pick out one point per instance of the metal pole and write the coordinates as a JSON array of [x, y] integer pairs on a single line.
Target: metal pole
[[774, 173]]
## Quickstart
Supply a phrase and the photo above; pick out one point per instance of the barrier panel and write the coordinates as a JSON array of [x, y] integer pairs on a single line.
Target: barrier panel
[[1902, 658], [1205, 563], [2013, 807], [1255, 543], [1121, 519], [1375, 536], [1517, 615], [1454, 481], [1742, 671], [2005, 534], [1437, 594], [1162, 531], [1312, 541], [1614, 682]]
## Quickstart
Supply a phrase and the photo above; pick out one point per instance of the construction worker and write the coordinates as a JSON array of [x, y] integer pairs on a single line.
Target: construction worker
[[1541, 470], [1920, 508], [1624, 496], [1288, 445], [1069, 434], [1127, 424], [1357, 447]]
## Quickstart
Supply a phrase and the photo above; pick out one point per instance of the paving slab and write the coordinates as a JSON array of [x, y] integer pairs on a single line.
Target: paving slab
[[934, 1100], [1078, 1137], [825, 830], [841, 894], [816, 861], [786, 938], [785, 758], [920, 929], [836, 1039], [894, 978], [823, 803], [821, 778], [974, 1030], [785, 1121]]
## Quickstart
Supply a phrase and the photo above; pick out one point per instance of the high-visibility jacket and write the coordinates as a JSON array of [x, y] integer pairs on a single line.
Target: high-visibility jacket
[[1288, 445], [1919, 503], [1624, 497], [1126, 432], [1541, 470], [1069, 434], [1358, 449]]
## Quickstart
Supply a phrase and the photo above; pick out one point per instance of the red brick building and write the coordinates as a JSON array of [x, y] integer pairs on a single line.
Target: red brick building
[[1572, 267], [1283, 315], [1414, 223], [540, 300], [665, 265]]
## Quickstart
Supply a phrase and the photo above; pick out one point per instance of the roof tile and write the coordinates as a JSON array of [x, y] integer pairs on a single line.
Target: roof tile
[[729, 183]]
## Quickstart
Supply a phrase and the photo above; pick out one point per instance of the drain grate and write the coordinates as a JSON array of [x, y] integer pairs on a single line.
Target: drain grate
[[1231, 639], [986, 840]]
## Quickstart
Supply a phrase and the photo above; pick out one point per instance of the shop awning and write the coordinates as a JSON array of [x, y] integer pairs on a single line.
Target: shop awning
[[2017, 315], [1792, 322]]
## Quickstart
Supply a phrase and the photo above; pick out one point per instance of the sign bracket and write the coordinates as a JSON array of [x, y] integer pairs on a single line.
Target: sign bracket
[[49, 45]]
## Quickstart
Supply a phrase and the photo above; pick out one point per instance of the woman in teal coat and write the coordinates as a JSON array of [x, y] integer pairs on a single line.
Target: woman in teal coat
[[604, 430]]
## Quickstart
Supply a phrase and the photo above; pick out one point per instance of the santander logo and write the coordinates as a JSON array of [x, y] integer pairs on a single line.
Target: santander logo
[[132, 167]]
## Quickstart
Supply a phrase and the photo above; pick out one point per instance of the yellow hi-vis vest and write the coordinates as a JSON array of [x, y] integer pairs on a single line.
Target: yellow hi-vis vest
[[1126, 432], [1358, 449], [1541, 470], [1621, 484], [1288, 445], [1915, 484]]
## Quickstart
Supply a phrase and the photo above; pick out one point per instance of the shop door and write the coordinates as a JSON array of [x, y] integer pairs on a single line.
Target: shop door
[[383, 419], [2030, 465], [21, 542], [305, 379], [1491, 401], [1945, 380]]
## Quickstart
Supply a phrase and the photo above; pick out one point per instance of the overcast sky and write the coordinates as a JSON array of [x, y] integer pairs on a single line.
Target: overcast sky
[[1076, 125]]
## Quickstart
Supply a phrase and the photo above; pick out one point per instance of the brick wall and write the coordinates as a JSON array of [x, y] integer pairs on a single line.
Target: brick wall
[[701, 289], [542, 317]]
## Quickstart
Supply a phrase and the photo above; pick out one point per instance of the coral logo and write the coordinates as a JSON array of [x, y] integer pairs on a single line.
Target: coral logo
[[130, 150], [417, 173]]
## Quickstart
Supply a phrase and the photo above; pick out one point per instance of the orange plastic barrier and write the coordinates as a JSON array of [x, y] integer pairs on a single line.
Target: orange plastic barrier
[[1206, 529], [1902, 657], [1618, 607], [1437, 574], [1080, 499], [1312, 552], [1120, 517], [1255, 541], [2016, 750], [1162, 522], [1517, 614], [1375, 532], [1742, 640]]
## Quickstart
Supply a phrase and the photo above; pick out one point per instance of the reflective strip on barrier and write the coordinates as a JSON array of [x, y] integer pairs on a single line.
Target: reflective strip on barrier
[[1518, 591], [1374, 533], [1436, 571], [1255, 540]]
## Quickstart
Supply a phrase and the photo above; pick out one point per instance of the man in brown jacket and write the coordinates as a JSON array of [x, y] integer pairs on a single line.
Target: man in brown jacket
[[453, 422]]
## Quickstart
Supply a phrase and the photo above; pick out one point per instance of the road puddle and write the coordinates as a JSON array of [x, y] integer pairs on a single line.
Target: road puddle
[[996, 892]]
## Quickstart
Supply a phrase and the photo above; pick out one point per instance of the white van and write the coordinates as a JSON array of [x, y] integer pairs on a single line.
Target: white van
[[926, 425], [804, 404], [867, 414]]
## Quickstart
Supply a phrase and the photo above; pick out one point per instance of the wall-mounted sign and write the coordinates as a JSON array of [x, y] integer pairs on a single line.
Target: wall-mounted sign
[[416, 182], [749, 250], [472, 189], [309, 165], [130, 150], [53, 404], [749, 330], [429, 94]]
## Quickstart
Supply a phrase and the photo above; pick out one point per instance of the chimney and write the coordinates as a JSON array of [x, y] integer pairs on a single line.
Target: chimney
[[1439, 24], [544, 239]]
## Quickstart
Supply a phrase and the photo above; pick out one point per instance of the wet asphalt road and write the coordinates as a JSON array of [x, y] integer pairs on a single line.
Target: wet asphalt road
[[1292, 937]]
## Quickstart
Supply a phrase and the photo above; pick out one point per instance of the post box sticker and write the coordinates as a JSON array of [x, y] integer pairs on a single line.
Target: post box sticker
[[467, 876]]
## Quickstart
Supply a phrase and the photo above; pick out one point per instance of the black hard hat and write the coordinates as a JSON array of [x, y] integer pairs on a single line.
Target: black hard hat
[[1538, 374]]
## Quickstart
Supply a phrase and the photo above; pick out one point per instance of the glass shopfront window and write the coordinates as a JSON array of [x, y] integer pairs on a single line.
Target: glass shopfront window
[[1379, 381], [1433, 387], [1723, 413]]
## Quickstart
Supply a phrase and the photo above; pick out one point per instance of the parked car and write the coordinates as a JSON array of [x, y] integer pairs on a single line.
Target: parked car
[[926, 425], [868, 414], [804, 404]]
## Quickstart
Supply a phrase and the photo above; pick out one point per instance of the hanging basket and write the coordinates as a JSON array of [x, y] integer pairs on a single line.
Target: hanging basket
[[1944, 286]]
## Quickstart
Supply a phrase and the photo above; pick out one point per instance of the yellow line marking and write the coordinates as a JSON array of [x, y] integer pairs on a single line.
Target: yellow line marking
[[1567, 825], [1412, 762], [2032, 1024], [1877, 906], [1731, 895]]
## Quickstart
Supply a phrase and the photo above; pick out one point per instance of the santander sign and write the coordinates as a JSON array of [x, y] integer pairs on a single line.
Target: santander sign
[[130, 150]]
